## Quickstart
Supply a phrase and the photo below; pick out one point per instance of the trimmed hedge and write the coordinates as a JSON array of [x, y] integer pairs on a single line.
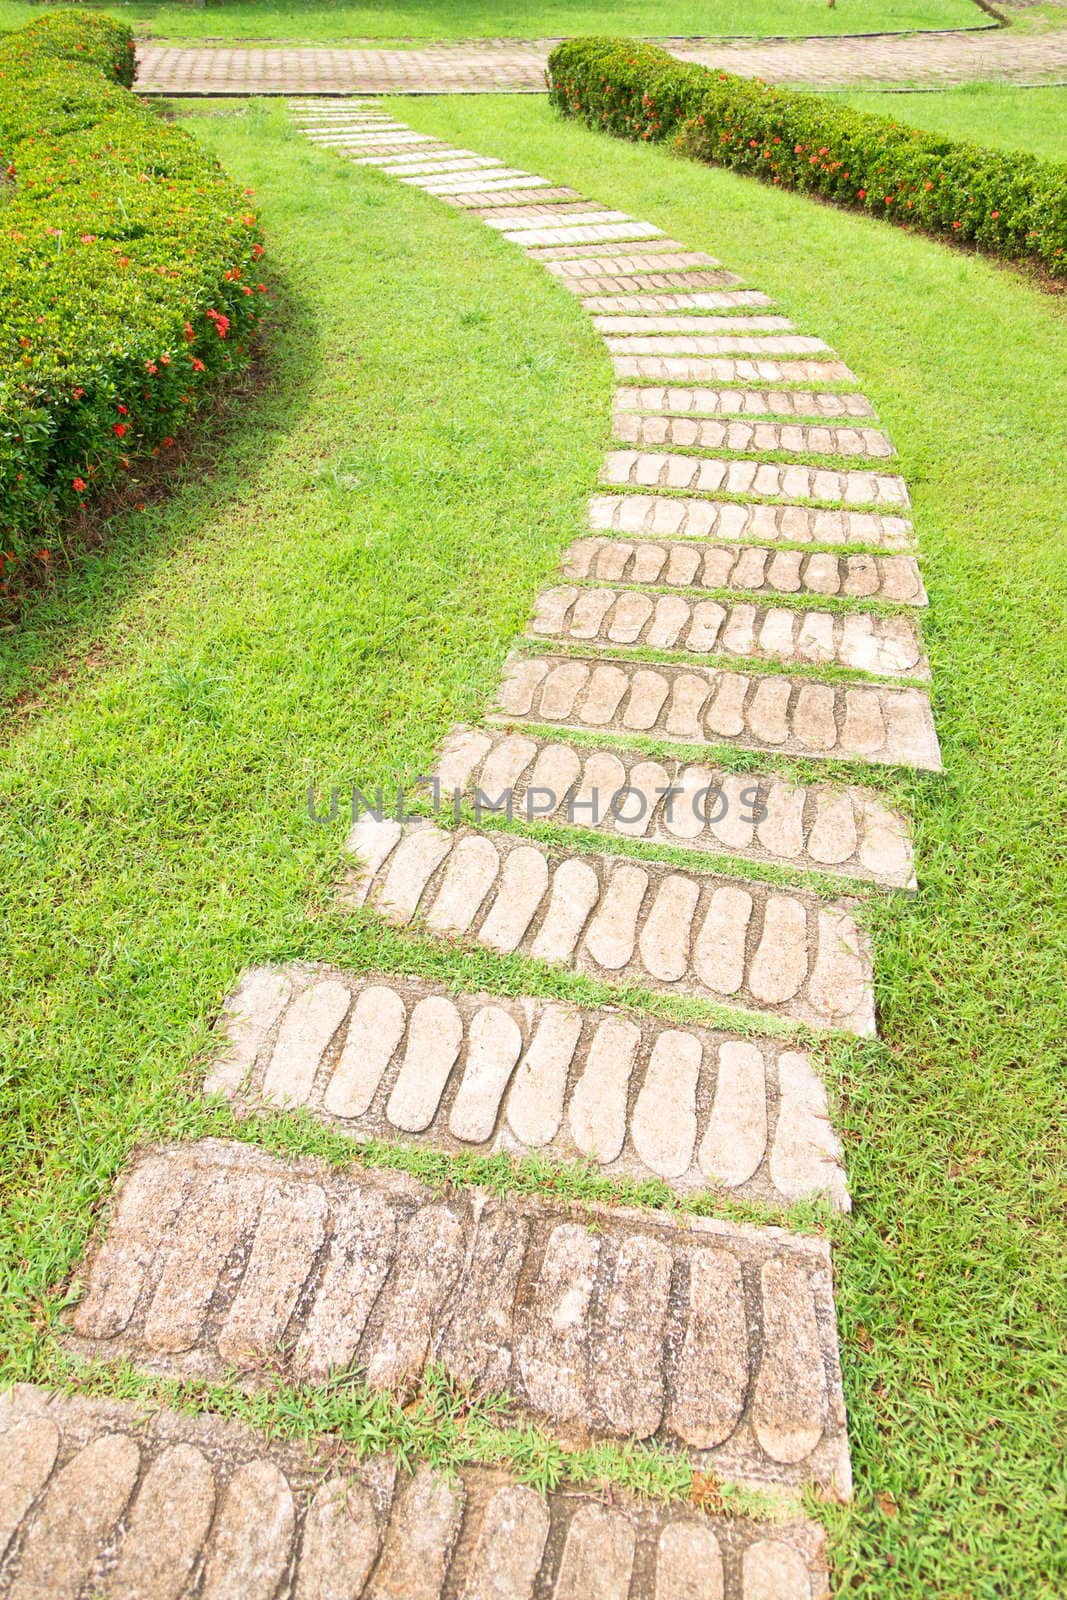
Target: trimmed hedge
[[127, 285], [1009, 204]]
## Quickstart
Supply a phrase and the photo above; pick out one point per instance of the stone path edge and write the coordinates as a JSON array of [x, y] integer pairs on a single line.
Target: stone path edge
[[161, 1495], [699, 1109], [547, 1309]]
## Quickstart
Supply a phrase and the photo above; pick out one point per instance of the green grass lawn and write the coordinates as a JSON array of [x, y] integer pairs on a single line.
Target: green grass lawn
[[322, 23], [335, 579], [989, 113]]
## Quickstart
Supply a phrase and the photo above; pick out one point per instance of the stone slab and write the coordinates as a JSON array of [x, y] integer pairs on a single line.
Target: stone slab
[[697, 705], [709, 344], [618, 256], [794, 636], [652, 281], [676, 516], [705, 324], [341, 1525], [600, 264], [746, 438], [616, 301], [449, 158], [582, 233], [736, 1354], [613, 301], [783, 952], [757, 569], [710, 370], [816, 827], [762, 480], [698, 1108], [743, 402]]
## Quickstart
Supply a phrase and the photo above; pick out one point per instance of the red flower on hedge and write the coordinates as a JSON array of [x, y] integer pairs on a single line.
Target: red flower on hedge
[[119, 429], [79, 484], [198, 365], [862, 193]]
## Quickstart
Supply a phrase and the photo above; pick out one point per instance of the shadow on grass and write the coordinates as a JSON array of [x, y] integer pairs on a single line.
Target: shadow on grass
[[114, 549]]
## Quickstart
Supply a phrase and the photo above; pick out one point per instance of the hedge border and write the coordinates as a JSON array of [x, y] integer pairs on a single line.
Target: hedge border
[[1009, 204], [127, 280]]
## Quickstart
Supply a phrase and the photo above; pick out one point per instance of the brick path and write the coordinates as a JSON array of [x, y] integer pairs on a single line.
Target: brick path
[[748, 587], [518, 66]]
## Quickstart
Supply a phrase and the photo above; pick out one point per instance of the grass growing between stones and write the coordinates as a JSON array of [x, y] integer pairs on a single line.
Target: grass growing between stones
[[949, 1283], [341, 21], [343, 586], [433, 1422]]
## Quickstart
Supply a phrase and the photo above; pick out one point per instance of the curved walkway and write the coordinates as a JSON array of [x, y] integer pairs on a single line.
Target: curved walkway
[[508, 66], [747, 587]]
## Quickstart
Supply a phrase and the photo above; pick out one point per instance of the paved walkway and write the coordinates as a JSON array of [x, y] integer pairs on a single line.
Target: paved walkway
[[517, 66], [150, 1509], [748, 579]]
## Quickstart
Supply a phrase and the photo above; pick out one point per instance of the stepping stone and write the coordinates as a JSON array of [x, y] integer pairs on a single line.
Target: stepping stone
[[758, 569], [767, 480], [741, 402], [692, 370], [343, 125], [574, 238], [463, 182], [488, 196], [572, 213], [382, 147], [693, 433], [447, 159], [712, 300], [621, 921], [384, 138], [668, 255], [697, 1108], [106, 1494], [623, 1327], [885, 647], [703, 344], [700, 325], [821, 828], [695, 705], [625, 285], [663, 517], [388, 160]]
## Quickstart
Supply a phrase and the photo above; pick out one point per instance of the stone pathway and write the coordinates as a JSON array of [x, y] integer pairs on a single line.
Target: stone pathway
[[635, 1096], [513, 66], [638, 1329], [99, 1496], [743, 583]]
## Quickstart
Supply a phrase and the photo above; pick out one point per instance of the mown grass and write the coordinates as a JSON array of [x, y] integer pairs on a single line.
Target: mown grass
[[338, 21], [1000, 114], [949, 1273], [344, 586]]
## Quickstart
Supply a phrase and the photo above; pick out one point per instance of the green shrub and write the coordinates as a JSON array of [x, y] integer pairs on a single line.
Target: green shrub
[[127, 262], [91, 41], [1010, 204]]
